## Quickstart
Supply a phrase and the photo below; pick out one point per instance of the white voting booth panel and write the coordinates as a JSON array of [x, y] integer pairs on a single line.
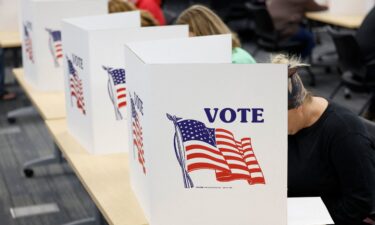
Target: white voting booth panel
[[96, 90], [351, 7], [9, 15], [41, 37], [209, 138], [308, 211]]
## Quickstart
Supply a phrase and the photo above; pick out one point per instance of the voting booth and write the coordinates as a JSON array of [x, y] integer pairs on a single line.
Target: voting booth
[[208, 141], [351, 7], [42, 49], [9, 15], [95, 76]]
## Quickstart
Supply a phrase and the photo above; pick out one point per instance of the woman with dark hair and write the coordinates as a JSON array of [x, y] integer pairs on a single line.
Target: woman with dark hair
[[330, 154]]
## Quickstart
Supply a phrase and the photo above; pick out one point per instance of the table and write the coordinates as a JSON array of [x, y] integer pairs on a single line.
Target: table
[[106, 179], [346, 21], [50, 105], [10, 39]]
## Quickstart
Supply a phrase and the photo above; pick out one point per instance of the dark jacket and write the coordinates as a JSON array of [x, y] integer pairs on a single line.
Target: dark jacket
[[334, 159]]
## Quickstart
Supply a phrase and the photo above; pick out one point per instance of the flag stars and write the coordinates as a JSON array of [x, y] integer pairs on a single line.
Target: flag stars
[[195, 130]]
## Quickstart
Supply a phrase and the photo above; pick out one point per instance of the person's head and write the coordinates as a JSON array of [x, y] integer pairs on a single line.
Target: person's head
[[116, 6], [298, 96], [202, 21]]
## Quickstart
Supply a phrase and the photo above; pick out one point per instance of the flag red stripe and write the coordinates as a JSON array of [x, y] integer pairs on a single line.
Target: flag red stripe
[[257, 180], [198, 166], [227, 150], [249, 156], [255, 170], [121, 89], [229, 157], [226, 143], [121, 104], [205, 156], [224, 131], [236, 166], [225, 177], [202, 147], [254, 162]]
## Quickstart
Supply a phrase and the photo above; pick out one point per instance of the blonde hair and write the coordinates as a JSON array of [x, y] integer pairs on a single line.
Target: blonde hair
[[294, 63], [202, 21], [147, 19]]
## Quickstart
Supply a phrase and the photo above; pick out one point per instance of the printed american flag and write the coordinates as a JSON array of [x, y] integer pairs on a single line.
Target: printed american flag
[[117, 78], [28, 44], [217, 149], [76, 89], [55, 44], [138, 136]]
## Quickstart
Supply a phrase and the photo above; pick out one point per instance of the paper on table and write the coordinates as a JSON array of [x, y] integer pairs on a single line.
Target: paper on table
[[308, 211]]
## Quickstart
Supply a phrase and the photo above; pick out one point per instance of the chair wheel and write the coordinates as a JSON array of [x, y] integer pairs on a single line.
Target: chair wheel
[[11, 120], [348, 96], [328, 70], [28, 173]]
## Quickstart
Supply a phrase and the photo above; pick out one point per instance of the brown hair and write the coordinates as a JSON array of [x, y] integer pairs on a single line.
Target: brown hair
[[202, 21], [147, 19]]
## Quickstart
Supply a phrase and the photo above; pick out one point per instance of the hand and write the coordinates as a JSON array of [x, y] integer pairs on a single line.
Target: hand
[[369, 221]]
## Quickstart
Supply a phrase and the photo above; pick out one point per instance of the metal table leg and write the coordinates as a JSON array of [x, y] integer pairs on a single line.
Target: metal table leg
[[21, 112], [56, 157], [98, 219]]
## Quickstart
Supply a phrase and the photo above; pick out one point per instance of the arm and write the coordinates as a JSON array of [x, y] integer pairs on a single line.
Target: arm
[[311, 5], [353, 157]]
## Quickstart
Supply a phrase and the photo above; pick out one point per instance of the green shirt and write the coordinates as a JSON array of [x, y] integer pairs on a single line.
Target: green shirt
[[240, 56]]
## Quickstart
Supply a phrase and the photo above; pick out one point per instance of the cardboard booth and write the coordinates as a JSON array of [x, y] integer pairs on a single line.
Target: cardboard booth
[[351, 7], [95, 76], [42, 39], [208, 141], [9, 15]]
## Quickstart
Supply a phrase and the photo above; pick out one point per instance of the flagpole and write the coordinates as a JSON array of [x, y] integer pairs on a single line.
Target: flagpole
[[111, 96], [188, 183]]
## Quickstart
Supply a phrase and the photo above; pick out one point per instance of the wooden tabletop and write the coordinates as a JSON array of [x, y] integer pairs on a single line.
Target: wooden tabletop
[[9, 39], [50, 105], [105, 177], [346, 21]]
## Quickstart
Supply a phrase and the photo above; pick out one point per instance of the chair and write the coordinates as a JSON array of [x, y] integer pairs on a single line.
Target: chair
[[270, 40], [267, 36], [370, 128], [355, 76]]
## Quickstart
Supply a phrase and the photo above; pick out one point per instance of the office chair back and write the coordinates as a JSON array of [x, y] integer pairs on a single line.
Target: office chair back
[[229, 10], [349, 54], [370, 128], [264, 27]]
